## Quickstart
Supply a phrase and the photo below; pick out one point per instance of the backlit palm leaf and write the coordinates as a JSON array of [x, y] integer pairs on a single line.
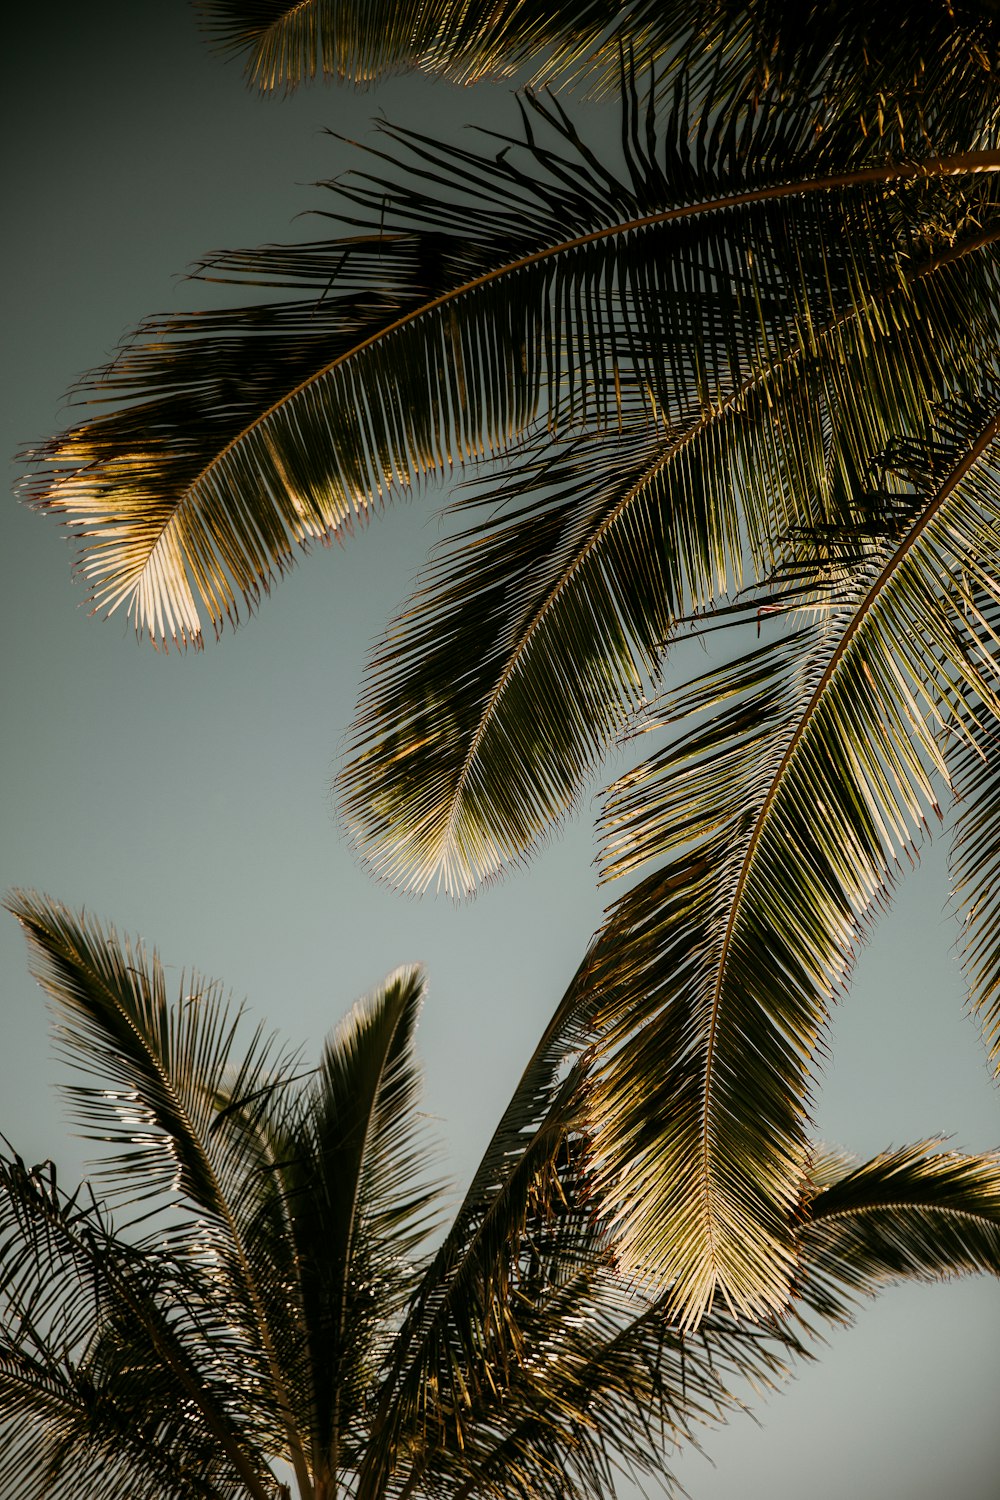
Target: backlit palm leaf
[[974, 763], [160, 1070], [537, 634], [912, 1213], [355, 1196], [894, 68], [487, 296], [112, 1357], [515, 1361], [782, 816], [907, 1214]]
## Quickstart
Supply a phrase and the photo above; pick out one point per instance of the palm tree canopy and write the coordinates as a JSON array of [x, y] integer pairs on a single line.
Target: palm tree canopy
[[690, 358], [276, 1303]]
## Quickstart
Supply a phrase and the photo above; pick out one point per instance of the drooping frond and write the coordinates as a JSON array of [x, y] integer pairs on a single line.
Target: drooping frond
[[779, 354], [974, 761], [525, 1365], [482, 297], [115, 1359], [914, 1213], [896, 71], [781, 815], [517, 1361]]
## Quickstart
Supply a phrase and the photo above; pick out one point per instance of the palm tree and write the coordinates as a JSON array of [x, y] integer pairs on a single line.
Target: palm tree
[[689, 356], [273, 1297]]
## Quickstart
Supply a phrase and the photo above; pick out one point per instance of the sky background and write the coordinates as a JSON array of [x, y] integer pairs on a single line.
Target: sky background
[[187, 798]]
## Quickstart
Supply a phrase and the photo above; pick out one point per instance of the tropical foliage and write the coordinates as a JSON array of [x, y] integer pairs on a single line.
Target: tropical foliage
[[272, 1294], [742, 365], [867, 58]]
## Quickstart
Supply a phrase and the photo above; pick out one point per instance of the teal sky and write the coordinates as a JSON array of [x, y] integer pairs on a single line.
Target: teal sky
[[187, 799]]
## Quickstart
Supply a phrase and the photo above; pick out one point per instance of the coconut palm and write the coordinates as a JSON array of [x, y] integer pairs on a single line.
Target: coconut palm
[[272, 1295], [689, 359]]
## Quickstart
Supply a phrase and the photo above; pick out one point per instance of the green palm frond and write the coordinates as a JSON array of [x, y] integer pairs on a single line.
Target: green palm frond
[[460, 1339], [516, 1360], [537, 634], [81, 1307], [975, 765], [932, 64], [485, 296], [356, 1199], [913, 1213], [521, 1367], [780, 817]]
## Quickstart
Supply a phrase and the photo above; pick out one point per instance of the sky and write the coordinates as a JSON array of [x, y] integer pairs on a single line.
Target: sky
[[187, 798]]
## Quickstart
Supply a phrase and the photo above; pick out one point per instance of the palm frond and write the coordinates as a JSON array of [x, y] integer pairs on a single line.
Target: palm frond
[[782, 815], [113, 1354], [537, 635], [913, 1213], [975, 766], [460, 1339], [899, 75], [358, 1200], [164, 1076], [481, 297]]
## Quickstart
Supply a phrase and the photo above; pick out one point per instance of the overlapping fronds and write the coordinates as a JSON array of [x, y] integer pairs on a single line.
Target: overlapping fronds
[[162, 1072], [461, 1336], [486, 295], [780, 817], [786, 345], [900, 72], [286, 42], [515, 1360], [115, 1359], [525, 1365], [974, 762]]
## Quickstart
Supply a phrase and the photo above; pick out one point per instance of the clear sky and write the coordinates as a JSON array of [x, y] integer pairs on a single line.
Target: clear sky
[[187, 799]]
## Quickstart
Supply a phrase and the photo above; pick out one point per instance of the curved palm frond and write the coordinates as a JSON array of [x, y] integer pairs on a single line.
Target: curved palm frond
[[521, 1367], [537, 635], [162, 1074], [517, 1361], [81, 1308], [913, 1213], [460, 1331], [897, 74], [286, 42], [355, 1202], [484, 297], [975, 856], [782, 815]]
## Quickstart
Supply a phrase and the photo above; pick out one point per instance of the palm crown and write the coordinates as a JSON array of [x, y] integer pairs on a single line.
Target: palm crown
[[748, 360], [273, 1296]]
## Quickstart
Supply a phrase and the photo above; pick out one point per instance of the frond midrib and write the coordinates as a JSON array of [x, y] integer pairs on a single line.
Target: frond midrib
[[412, 1354], [975, 162], [355, 1197], [869, 601], [216, 1421], [860, 1210]]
